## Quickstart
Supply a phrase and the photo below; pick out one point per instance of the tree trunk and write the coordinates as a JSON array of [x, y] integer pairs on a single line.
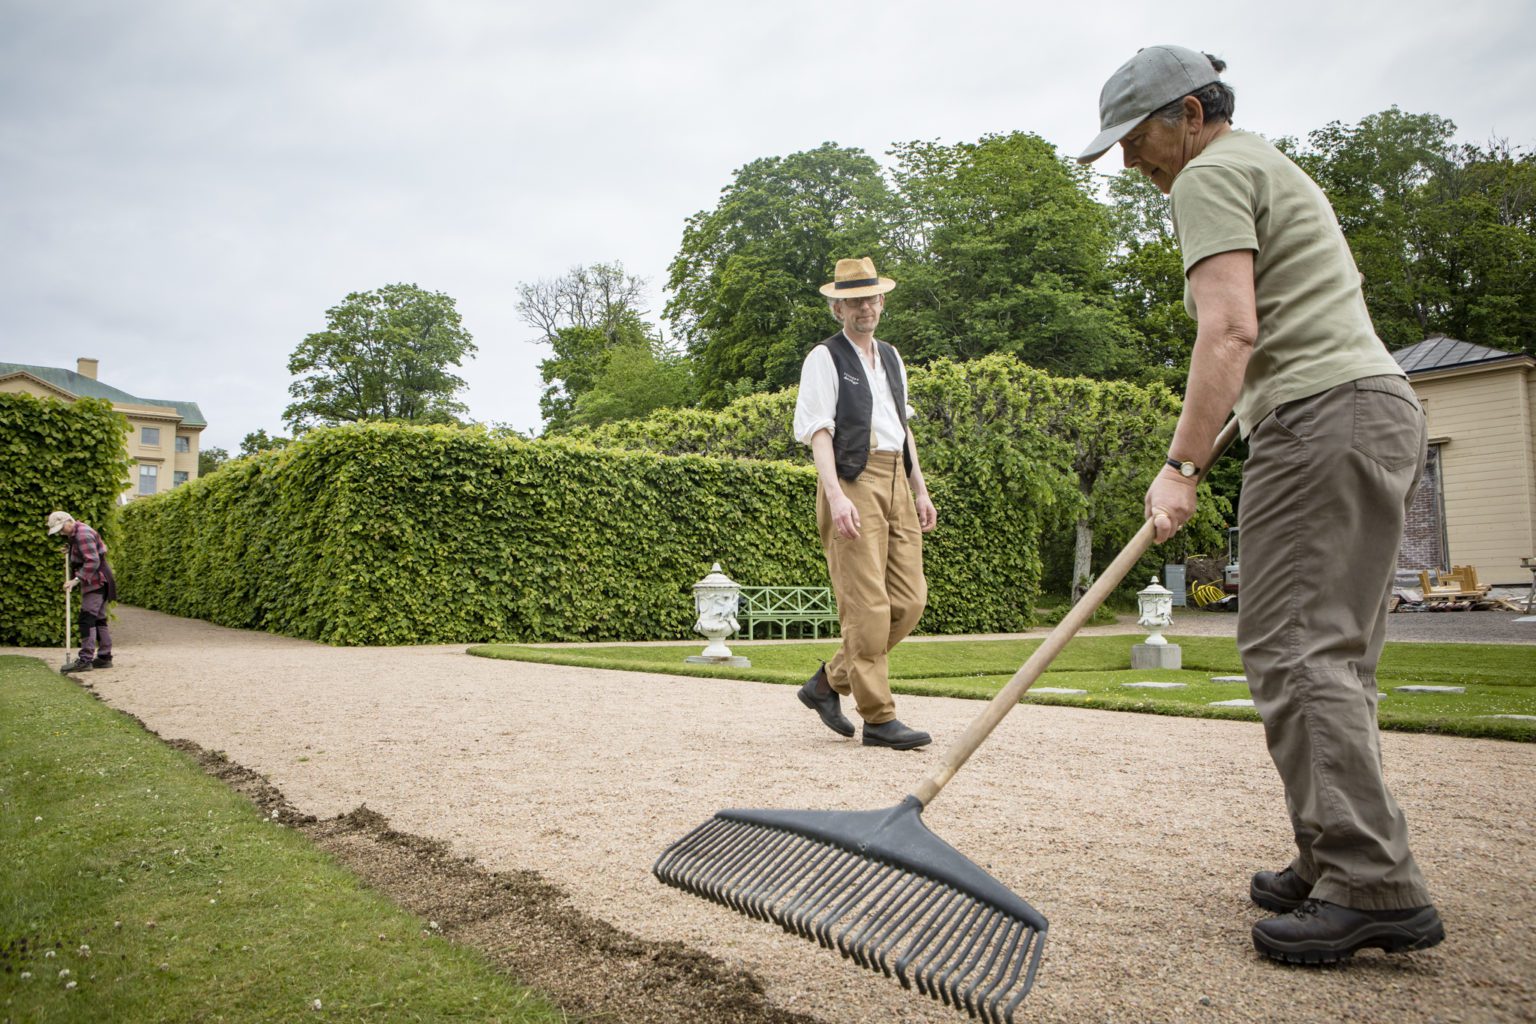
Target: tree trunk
[[1082, 558]]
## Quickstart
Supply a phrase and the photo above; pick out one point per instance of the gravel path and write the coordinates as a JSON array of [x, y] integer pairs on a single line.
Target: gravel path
[[1134, 834]]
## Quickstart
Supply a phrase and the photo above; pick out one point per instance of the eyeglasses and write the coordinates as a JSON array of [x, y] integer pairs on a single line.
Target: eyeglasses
[[866, 300]]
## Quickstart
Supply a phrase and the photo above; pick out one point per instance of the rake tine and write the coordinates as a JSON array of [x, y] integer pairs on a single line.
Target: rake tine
[[1005, 950], [927, 972], [875, 948], [857, 890], [857, 945], [921, 917], [967, 957], [949, 985], [779, 861], [807, 903], [935, 934], [848, 941]]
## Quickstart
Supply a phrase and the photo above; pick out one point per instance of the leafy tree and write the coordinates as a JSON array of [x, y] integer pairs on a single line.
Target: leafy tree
[[746, 276], [260, 441], [210, 459], [587, 317], [384, 355], [636, 381], [1148, 273], [1444, 235], [1001, 248]]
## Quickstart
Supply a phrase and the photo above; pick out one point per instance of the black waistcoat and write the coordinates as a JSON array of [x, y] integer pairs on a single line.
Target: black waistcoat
[[855, 404]]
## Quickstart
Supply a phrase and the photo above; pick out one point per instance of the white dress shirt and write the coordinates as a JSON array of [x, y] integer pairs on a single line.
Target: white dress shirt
[[816, 408]]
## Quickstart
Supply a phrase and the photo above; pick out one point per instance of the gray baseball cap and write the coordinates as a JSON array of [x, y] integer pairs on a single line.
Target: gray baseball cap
[[1154, 78]]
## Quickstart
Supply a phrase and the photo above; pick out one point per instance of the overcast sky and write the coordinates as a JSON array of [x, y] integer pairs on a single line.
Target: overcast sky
[[187, 185]]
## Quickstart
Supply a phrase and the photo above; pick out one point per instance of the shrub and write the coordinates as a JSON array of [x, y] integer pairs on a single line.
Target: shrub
[[391, 534], [58, 455]]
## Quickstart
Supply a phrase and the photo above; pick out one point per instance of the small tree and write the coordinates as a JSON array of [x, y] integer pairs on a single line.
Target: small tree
[[210, 459], [384, 355]]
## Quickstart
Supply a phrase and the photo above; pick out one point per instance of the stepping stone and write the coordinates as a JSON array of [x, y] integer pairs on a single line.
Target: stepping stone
[[1229, 679], [1429, 689], [1517, 718], [1155, 686], [1056, 689], [1239, 702]]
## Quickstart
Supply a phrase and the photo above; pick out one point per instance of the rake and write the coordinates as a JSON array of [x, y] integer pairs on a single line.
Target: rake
[[878, 886]]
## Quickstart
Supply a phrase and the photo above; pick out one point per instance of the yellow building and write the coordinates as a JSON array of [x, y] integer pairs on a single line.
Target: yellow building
[[1477, 505], [163, 441]]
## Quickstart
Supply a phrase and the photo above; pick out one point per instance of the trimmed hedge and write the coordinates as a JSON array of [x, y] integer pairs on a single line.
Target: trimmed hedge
[[58, 455], [393, 534]]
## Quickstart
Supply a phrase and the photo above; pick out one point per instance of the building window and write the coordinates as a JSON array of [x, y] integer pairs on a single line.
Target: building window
[[148, 478], [183, 444], [178, 478], [150, 436]]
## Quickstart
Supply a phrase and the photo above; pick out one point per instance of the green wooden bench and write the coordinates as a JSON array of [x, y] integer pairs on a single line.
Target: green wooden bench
[[802, 609]]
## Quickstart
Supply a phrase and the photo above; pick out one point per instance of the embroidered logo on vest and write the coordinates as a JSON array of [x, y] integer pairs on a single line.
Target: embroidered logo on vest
[[851, 379]]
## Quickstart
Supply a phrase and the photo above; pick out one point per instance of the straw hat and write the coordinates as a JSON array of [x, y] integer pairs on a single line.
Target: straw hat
[[57, 521], [855, 279]]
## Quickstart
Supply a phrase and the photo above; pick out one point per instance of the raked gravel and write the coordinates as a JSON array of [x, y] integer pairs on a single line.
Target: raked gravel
[[1134, 834]]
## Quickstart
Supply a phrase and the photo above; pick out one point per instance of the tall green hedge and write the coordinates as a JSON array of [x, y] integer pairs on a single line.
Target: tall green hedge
[[57, 455], [391, 534]]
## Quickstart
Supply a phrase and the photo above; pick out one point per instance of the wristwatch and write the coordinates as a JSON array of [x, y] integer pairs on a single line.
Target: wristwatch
[[1186, 469]]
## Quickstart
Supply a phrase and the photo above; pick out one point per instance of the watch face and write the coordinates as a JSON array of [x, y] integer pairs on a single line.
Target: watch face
[[1187, 468]]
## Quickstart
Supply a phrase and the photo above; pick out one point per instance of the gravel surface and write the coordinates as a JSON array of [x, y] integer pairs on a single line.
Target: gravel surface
[[1134, 834]]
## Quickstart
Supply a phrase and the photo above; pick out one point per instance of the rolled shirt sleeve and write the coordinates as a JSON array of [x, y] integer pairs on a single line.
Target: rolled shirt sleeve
[[816, 407]]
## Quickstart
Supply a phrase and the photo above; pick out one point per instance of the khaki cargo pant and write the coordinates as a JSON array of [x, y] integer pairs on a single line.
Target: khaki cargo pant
[[878, 581], [1325, 492]]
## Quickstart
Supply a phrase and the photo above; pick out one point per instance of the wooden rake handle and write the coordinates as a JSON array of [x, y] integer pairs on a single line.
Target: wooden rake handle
[[1008, 697]]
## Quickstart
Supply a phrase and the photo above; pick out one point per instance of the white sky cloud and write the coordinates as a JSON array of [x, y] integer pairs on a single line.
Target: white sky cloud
[[186, 187]]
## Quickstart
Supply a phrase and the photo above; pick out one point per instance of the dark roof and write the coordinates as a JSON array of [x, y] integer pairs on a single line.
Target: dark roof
[[1442, 353], [82, 386]]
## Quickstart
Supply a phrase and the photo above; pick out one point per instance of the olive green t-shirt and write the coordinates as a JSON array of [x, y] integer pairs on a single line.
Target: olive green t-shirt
[[1314, 331]]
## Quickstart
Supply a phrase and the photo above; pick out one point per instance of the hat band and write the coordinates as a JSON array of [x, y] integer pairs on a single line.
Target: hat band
[[863, 282]]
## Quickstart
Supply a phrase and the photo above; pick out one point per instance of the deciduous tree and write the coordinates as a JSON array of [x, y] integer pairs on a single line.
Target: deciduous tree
[[385, 354]]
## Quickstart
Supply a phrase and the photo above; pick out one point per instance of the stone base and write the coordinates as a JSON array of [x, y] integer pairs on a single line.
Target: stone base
[[734, 661], [1156, 656]]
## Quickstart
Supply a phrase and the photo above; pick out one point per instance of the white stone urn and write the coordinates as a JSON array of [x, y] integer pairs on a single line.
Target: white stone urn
[[1156, 603], [716, 598]]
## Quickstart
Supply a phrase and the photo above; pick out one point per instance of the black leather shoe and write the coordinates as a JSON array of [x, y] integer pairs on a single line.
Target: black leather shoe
[[84, 666], [894, 735], [818, 695], [1279, 891], [1318, 932]]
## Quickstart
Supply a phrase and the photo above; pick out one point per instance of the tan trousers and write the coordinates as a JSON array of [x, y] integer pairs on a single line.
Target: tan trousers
[[1325, 491], [878, 580]]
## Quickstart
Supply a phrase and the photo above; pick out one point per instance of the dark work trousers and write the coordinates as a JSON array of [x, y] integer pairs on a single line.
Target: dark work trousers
[[878, 580], [95, 638], [1325, 492]]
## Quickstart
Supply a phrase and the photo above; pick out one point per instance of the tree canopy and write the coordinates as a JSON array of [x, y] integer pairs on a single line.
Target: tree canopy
[[1444, 234], [607, 362], [384, 355], [745, 277]]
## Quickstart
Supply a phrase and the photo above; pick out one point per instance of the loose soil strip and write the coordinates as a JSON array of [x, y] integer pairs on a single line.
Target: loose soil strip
[[523, 924]]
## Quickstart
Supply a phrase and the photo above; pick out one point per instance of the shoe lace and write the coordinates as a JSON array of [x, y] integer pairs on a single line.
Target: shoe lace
[[1308, 908]]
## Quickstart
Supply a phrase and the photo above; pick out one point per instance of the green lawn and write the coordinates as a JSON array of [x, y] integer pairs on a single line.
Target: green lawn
[[137, 888], [1499, 678]]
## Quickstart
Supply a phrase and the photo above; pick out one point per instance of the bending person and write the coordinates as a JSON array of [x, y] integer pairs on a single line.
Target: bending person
[[1336, 448]]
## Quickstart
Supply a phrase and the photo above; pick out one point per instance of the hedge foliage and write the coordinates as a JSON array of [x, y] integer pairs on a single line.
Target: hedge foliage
[[58, 455], [1055, 449], [391, 534]]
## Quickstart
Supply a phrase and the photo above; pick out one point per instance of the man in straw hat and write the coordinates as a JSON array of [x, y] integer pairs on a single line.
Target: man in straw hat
[[872, 507], [1336, 446], [90, 572]]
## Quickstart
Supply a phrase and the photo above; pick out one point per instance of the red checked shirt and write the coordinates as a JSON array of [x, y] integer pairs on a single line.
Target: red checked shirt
[[88, 557]]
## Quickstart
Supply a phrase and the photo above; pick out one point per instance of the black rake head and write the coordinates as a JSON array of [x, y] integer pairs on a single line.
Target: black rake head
[[879, 887]]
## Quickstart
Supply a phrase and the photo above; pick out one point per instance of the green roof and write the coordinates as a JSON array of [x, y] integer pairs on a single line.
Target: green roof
[[82, 386]]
